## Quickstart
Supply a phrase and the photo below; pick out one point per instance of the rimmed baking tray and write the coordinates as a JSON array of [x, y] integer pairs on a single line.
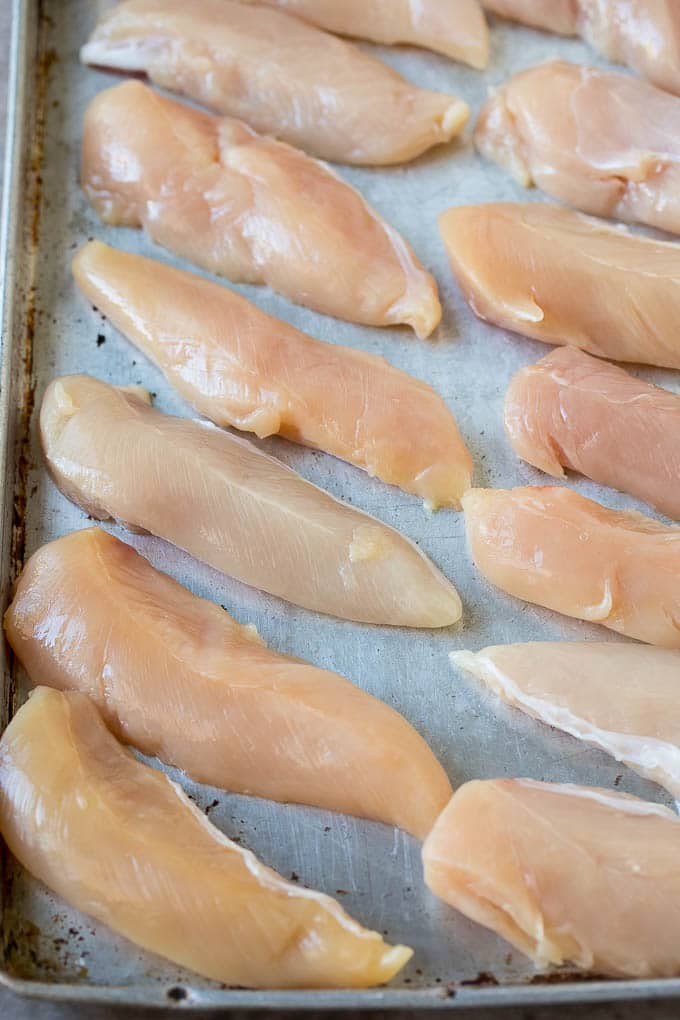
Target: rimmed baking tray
[[52, 952]]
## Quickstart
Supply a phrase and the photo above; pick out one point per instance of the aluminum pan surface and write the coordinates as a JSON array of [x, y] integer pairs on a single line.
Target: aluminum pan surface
[[375, 871]]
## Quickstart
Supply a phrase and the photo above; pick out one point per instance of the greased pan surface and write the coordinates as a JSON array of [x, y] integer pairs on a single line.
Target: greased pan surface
[[48, 329]]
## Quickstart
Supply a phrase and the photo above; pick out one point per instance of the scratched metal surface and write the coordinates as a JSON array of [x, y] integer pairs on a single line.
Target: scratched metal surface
[[49, 949]]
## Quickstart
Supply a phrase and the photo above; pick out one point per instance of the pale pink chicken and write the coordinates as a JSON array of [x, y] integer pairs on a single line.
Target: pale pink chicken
[[227, 503], [551, 546], [456, 28], [520, 265], [249, 208], [621, 697], [552, 15], [573, 411], [244, 368], [603, 142], [564, 873], [282, 76], [177, 677], [121, 842], [645, 34]]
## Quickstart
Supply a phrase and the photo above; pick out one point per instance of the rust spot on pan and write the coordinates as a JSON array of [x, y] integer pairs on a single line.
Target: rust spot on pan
[[561, 977], [483, 980]]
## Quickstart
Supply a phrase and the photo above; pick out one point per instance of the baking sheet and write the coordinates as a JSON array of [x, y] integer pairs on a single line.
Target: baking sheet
[[373, 870]]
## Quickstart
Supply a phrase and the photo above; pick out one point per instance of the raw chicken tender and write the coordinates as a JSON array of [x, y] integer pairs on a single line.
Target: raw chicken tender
[[552, 15], [244, 368], [603, 142], [177, 677], [623, 698], [282, 76], [225, 502], [565, 873], [249, 208], [548, 545], [645, 34], [123, 843], [519, 266], [456, 28], [571, 411]]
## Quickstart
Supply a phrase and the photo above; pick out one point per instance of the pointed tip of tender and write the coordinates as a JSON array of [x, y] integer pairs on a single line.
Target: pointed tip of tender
[[466, 37], [463, 659], [377, 965], [454, 118], [424, 320], [435, 605], [87, 51], [477, 57], [463, 484], [449, 609], [419, 306], [393, 960], [495, 137], [477, 48], [446, 487], [127, 55], [85, 254]]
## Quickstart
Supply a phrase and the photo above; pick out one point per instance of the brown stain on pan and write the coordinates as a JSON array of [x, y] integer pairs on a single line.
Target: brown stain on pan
[[561, 977], [485, 979], [34, 188], [15, 930]]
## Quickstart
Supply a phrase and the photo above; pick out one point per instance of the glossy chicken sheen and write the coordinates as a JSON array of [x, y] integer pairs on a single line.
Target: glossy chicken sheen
[[623, 698], [234, 507], [520, 265], [572, 411], [548, 545], [244, 368], [456, 28], [606, 143], [645, 34], [249, 208], [565, 873], [283, 76], [177, 677], [121, 842]]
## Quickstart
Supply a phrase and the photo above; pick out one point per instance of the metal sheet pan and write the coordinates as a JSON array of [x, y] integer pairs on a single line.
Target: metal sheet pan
[[51, 951]]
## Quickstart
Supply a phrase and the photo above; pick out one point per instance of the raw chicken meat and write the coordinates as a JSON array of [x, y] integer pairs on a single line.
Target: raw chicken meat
[[603, 142], [571, 410], [249, 208], [284, 77], [456, 28], [244, 368], [623, 698], [645, 34], [564, 873], [123, 843], [234, 507], [550, 546], [554, 16], [520, 266], [177, 677]]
